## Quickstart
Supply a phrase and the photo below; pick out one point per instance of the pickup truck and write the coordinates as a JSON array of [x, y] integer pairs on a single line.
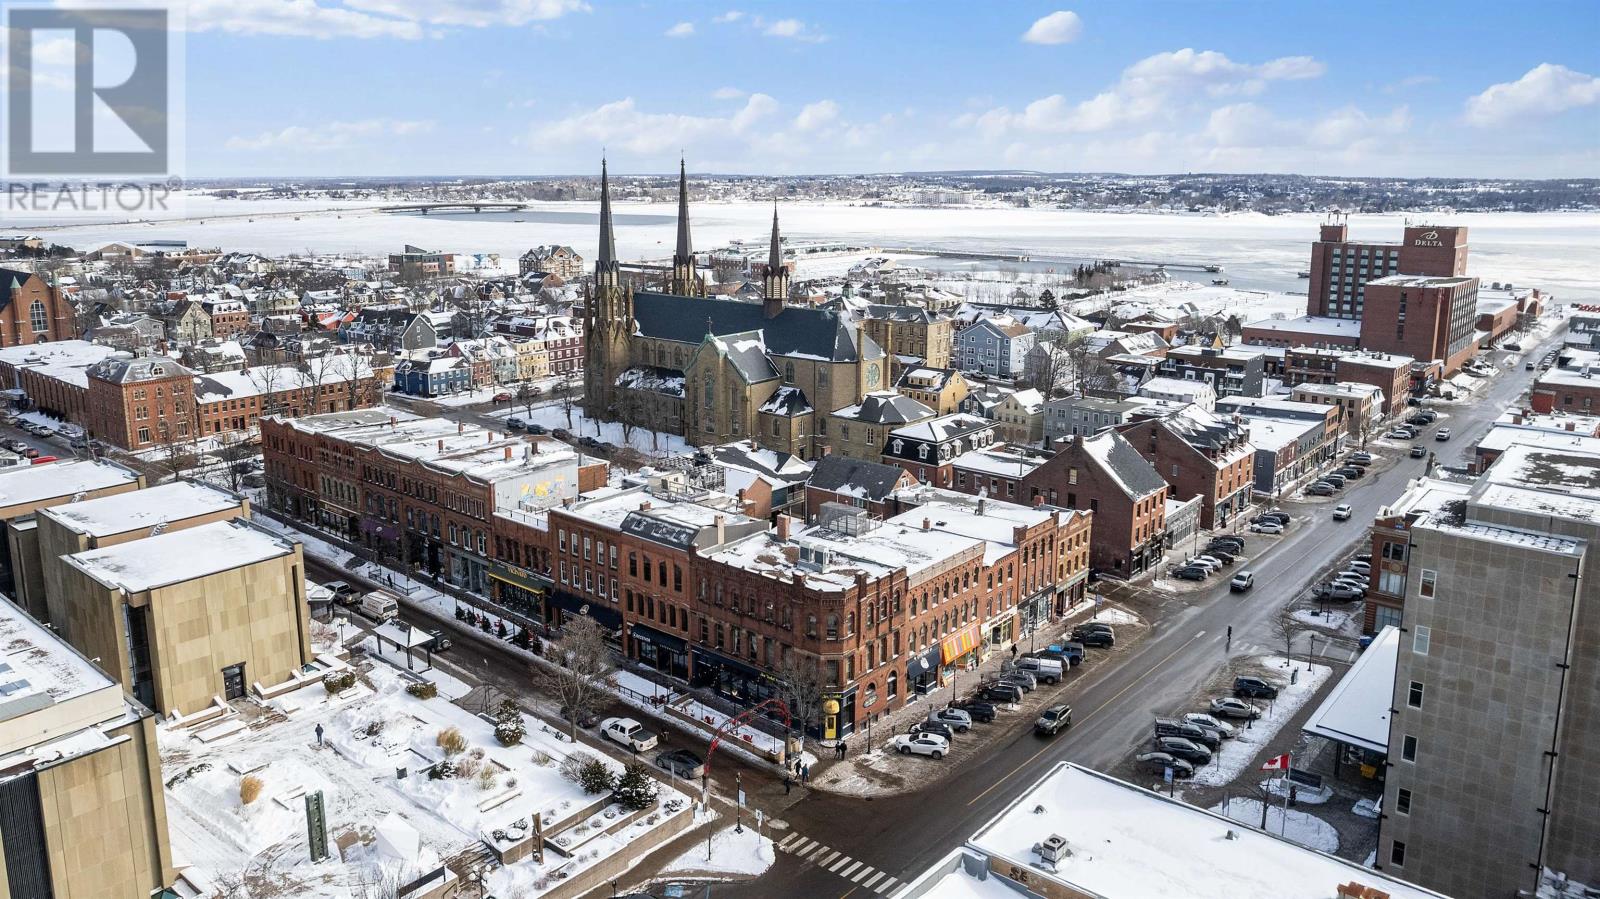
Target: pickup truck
[[629, 733]]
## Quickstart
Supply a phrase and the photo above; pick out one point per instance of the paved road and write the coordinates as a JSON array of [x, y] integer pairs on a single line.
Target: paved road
[[903, 835]]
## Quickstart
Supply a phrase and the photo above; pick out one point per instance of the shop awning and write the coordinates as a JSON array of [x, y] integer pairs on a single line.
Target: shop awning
[[577, 605], [961, 642], [926, 662], [651, 635], [516, 578], [714, 659]]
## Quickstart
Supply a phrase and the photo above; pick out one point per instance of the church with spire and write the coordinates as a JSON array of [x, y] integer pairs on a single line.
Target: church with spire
[[717, 369]]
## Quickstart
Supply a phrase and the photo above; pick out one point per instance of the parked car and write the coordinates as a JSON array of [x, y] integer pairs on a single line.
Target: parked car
[[1052, 720], [1340, 592], [343, 593], [1362, 568], [955, 718], [16, 446], [1272, 517], [1242, 581], [934, 727], [380, 605], [1218, 560], [1272, 530], [538, 429], [1210, 565], [1191, 573], [1401, 434], [1222, 555], [1351, 574], [931, 745], [254, 479], [584, 720], [1442, 435], [1071, 651], [1418, 451], [502, 397], [629, 733], [1047, 670], [1211, 722], [1254, 687], [998, 692], [516, 424], [1101, 639], [1160, 762], [561, 434], [1232, 544], [1023, 679], [440, 642], [1336, 480], [30, 453], [1178, 747], [1528, 366], [1229, 707], [682, 763], [1078, 630], [1417, 418], [588, 441], [978, 710], [1361, 458], [1175, 727], [1350, 472], [1341, 512]]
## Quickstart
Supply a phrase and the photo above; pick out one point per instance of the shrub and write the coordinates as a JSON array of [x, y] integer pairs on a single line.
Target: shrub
[[478, 753], [443, 770], [423, 689], [249, 789], [510, 732], [451, 741], [596, 777], [339, 681], [467, 768], [373, 728], [486, 778], [572, 766], [636, 789], [541, 758]]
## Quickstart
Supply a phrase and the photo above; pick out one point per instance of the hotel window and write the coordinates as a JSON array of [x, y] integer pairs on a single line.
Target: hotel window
[[1414, 695], [1397, 854], [1420, 638], [1408, 748], [1427, 583], [1402, 802]]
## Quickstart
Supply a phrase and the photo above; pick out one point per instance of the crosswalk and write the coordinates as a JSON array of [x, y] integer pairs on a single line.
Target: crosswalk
[[835, 862]]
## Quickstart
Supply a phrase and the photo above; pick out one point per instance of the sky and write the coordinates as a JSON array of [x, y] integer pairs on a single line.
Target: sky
[[543, 87]]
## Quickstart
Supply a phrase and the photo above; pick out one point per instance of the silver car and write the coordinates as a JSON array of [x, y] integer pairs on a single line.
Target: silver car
[[1210, 722]]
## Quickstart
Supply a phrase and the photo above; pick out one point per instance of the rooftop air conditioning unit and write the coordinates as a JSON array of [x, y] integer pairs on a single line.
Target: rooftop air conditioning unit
[[1053, 849]]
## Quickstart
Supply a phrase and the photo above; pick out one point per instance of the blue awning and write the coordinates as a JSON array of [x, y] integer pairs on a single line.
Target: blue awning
[[577, 605], [651, 635]]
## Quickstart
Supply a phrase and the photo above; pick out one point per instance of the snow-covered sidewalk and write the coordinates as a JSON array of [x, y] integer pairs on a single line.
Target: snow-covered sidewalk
[[1250, 739]]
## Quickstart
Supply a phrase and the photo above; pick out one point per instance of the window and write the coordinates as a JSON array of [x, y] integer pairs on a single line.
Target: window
[[1426, 584], [633, 564], [1391, 582], [1394, 552], [1420, 638], [1397, 854], [1414, 698], [1402, 802], [144, 435], [37, 317], [1408, 748]]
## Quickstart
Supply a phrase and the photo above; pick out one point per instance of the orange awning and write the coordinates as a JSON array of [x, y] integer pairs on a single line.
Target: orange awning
[[961, 642]]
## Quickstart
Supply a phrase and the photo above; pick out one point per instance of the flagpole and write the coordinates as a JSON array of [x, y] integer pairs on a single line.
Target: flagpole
[[1283, 829]]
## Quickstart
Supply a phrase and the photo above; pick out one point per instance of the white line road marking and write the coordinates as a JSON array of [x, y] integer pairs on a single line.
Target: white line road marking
[[875, 878], [789, 840], [830, 858], [865, 870], [843, 870]]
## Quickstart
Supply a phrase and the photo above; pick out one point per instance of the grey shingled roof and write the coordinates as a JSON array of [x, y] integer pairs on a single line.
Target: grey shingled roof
[[874, 479], [749, 356], [891, 409], [1133, 470], [795, 331], [9, 279]]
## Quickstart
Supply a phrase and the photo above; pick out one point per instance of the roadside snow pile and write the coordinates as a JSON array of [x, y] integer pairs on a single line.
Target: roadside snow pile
[[1299, 827], [748, 853], [1279, 786], [1114, 615], [1237, 754], [1366, 808], [1335, 620]]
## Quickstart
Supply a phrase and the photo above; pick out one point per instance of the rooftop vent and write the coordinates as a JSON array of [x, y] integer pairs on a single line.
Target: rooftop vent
[[1053, 849]]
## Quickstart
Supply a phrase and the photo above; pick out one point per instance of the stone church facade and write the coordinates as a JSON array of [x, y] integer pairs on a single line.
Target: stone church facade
[[714, 369]]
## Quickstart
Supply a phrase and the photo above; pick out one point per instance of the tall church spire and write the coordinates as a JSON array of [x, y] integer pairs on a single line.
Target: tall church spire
[[775, 282], [607, 257], [685, 282]]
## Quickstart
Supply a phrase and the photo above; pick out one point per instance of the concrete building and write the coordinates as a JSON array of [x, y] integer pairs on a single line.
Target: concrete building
[[1570, 386], [1494, 744], [1231, 371], [81, 804], [1341, 269], [912, 336], [25, 490], [1391, 530], [184, 618], [1307, 330]]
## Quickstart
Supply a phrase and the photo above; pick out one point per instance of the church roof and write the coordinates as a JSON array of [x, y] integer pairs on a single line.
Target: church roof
[[748, 354], [10, 281], [788, 402], [797, 331]]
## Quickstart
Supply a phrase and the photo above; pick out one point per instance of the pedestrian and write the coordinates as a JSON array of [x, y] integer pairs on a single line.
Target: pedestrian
[[787, 781], [844, 749], [319, 734], [805, 773], [1013, 652]]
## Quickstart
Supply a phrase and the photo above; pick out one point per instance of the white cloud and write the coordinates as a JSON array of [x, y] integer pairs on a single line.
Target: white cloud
[[473, 13], [727, 93], [816, 115], [328, 136], [682, 29], [793, 29], [1060, 27], [1547, 89], [397, 19], [1408, 82], [623, 124], [732, 15]]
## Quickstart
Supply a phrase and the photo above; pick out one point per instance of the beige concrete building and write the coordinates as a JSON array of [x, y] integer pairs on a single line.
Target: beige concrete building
[[112, 520], [82, 813], [188, 617], [940, 389], [30, 488]]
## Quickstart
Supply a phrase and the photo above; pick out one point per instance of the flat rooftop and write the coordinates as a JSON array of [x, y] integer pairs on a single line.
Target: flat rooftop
[[1421, 281], [26, 484], [140, 565], [1130, 843], [1311, 324], [1356, 713], [123, 512], [36, 661], [63, 360], [448, 446]]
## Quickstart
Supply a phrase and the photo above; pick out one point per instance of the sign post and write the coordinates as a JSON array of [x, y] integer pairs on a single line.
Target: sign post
[[316, 826]]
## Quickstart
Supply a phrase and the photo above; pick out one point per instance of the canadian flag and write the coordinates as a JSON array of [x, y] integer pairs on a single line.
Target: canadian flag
[[1277, 763]]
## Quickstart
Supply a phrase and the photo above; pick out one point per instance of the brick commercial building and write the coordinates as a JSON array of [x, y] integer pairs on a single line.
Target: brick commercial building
[[1199, 454], [1426, 317], [1341, 269], [151, 610], [854, 482], [32, 311], [1105, 475], [1570, 386], [1391, 532], [1500, 656], [53, 377], [85, 813], [422, 492], [1305, 331]]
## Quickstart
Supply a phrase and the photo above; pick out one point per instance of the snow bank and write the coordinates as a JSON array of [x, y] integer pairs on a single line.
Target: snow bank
[[1303, 828], [1236, 754], [748, 853]]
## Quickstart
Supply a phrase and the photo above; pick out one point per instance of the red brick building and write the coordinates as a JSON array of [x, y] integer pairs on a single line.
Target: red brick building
[[228, 317], [1425, 317], [1340, 268], [1199, 454], [1105, 475], [32, 311]]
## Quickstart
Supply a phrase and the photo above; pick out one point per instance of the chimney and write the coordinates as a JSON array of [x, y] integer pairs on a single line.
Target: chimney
[[721, 523], [827, 449], [783, 528], [644, 506], [927, 524], [392, 421], [508, 454], [441, 444], [1038, 501], [1572, 426], [798, 579], [983, 505]]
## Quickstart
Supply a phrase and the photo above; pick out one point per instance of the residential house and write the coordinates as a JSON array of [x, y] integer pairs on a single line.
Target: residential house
[[995, 347], [854, 482], [927, 449], [1107, 476], [940, 389], [433, 375], [859, 431]]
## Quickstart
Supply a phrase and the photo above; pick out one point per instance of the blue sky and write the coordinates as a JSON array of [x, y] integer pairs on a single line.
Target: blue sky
[[380, 87]]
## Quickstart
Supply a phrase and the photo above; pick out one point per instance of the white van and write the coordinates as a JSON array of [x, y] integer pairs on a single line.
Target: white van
[[380, 604]]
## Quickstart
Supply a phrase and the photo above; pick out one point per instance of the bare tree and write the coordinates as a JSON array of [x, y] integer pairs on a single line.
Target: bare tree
[[526, 395], [1048, 367], [630, 410], [1091, 374], [581, 672], [800, 686], [1288, 627], [565, 392]]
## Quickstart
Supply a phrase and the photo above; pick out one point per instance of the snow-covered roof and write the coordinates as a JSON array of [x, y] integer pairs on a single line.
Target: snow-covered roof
[[123, 512], [269, 379], [1420, 281], [63, 360], [40, 662], [1357, 711], [1126, 842], [37, 483], [979, 518], [1311, 324], [180, 556], [1502, 436]]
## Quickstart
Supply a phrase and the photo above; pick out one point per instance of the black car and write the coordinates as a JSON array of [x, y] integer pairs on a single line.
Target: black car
[[1254, 688], [981, 712], [585, 720], [934, 727], [1102, 639], [998, 692], [681, 762], [440, 642], [1191, 573], [1351, 471], [1417, 419], [1278, 518], [1088, 626], [1159, 762], [588, 441], [538, 429], [1222, 555]]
